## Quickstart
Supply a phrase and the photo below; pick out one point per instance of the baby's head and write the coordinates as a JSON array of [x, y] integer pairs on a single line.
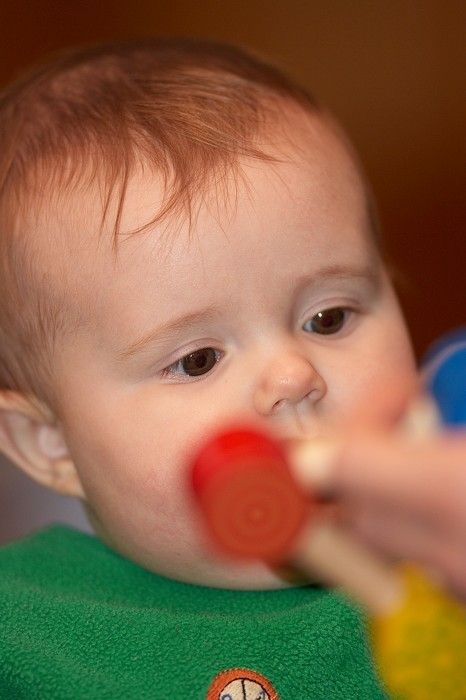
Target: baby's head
[[185, 239]]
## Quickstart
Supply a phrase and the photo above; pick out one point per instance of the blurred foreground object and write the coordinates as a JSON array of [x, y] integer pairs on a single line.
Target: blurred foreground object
[[445, 377], [418, 633]]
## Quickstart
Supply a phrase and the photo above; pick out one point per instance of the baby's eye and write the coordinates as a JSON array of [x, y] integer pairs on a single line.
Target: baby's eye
[[327, 321], [195, 364]]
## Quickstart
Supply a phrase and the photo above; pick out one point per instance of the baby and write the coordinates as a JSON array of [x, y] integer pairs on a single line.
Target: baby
[[186, 239]]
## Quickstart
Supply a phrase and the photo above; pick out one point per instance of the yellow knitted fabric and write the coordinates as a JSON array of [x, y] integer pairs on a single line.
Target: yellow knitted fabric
[[421, 647]]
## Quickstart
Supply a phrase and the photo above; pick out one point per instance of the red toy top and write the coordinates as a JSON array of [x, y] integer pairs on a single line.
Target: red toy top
[[253, 507]]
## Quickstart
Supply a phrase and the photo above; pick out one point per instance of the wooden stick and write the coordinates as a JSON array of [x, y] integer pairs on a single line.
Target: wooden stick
[[338, 560]]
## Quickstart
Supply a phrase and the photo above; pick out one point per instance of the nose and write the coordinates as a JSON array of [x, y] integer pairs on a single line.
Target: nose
[[287, 380]]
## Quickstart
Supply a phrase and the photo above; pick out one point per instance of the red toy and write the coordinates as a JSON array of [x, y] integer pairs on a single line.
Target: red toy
[[253, 507]]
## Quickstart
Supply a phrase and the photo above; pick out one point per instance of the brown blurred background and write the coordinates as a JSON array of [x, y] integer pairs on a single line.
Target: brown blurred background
[[393, 72]]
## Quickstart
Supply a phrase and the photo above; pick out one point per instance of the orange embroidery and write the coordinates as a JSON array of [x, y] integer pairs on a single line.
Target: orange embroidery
[[241, 684]]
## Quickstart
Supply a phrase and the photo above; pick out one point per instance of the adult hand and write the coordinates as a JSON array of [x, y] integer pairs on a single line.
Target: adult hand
[[403, 496]]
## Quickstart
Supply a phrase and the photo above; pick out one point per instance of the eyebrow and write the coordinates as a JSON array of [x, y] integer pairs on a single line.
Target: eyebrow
[[209, 313], [164, 331], [370, 273]]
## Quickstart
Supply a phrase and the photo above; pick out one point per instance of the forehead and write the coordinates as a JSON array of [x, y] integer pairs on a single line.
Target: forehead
[[313, 186]]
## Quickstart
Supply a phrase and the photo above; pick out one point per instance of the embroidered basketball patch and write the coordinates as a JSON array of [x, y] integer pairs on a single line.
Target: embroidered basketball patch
[[241, 684]]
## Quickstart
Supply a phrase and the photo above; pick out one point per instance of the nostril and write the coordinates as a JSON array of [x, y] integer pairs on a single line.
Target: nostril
[[277, 405], [314, 395]]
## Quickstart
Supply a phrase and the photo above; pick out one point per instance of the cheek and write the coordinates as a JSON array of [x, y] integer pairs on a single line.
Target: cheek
[[380, 390], [127, 462], [133, 452], [383, 402]]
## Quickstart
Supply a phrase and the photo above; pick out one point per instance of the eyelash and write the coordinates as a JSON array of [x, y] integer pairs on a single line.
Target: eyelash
[[344, 312], [175, 370]]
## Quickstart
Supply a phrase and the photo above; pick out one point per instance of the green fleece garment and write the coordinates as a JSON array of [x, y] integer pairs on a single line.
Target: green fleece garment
[[79, 621]]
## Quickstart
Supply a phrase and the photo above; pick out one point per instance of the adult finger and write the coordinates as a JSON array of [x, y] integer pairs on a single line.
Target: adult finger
[[425, 476]]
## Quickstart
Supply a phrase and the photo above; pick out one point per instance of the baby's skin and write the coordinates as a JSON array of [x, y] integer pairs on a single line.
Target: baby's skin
[[272, 306]]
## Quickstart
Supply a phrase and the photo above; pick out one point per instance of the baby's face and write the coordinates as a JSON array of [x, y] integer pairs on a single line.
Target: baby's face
[[277, 311]]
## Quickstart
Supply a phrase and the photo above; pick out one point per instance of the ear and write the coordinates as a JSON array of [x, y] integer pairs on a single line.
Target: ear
[[32, 439]]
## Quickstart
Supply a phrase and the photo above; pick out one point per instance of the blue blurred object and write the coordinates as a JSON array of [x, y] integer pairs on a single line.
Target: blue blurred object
[[445, 376]]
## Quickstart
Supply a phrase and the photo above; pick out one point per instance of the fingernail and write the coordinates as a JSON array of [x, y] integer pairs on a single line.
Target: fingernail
[[421, 419], [312, 462]]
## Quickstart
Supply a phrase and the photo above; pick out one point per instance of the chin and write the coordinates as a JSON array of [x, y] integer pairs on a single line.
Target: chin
[[238, 577], [206, 570]]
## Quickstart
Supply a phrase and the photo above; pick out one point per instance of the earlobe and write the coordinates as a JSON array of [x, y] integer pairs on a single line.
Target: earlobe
[[65, 480], [32, 440]]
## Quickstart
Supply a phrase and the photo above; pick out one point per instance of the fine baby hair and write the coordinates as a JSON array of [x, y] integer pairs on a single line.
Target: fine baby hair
[[184, 109]]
